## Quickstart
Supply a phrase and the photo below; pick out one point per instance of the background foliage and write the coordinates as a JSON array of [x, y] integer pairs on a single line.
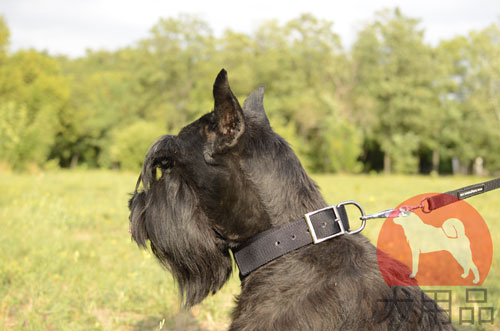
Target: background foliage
[[391, 102]]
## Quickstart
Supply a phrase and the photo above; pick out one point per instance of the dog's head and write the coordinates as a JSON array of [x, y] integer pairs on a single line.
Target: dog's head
[[221, 180]]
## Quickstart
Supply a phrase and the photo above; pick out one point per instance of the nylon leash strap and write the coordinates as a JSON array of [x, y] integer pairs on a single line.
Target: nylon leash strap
[[428, 204], [463, 193]]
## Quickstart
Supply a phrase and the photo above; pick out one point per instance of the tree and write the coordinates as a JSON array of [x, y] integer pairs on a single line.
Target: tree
[[482, 95], [393, 94], [4, 39], [104, 96], [470, 88], [33, 95], [172, 66], [390, 102]]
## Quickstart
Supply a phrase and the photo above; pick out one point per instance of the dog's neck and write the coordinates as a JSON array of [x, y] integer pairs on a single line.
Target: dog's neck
[[285, 191]]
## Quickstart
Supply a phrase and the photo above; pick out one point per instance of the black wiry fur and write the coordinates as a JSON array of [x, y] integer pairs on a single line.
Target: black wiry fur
[[225, 178]]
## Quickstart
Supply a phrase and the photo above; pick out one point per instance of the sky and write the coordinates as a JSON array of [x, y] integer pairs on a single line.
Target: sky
[[71, 27]]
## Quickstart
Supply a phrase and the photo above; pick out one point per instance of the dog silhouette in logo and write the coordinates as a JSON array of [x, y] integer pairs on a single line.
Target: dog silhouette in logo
[[425, 238]]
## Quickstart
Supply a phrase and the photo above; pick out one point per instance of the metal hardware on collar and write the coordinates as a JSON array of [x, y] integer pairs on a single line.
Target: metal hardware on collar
[[363, 221], [342, 231], [315, 238]]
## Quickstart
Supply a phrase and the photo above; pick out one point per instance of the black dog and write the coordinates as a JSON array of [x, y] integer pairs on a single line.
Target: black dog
[[228, 177]]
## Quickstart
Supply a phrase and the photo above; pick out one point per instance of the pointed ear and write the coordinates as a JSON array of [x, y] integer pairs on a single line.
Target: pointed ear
[[228, 112], [254, 106]]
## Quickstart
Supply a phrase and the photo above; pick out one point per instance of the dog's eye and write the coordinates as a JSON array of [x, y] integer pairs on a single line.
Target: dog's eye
[[165, 163], [168, 163]]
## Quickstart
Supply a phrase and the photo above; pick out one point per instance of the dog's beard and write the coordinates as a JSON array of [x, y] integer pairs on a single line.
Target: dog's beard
[[167, 213]]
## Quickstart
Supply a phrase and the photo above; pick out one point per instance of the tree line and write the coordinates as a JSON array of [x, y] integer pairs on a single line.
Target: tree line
[[391, 102]]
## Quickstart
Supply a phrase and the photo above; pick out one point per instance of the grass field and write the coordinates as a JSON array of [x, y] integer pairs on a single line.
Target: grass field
[[67, 261]]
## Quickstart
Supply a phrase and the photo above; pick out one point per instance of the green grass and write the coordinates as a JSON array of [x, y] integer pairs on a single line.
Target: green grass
[[67, 261]]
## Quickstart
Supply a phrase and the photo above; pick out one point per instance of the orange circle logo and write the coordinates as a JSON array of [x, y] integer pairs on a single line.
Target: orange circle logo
[[448, 246]]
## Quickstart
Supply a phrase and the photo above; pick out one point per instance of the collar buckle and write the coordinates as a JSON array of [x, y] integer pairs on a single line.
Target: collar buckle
[[312, 231], [338, 220]]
